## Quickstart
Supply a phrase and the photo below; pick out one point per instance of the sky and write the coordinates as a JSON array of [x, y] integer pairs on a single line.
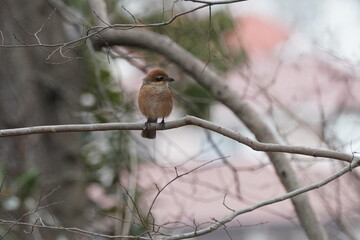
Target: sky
[[323, 26], [329, 24]]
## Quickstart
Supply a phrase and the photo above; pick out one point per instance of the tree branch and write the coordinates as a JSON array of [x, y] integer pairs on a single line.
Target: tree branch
[[289, 195], [188, 120], [216, 2], [217, 224], [74, 230]]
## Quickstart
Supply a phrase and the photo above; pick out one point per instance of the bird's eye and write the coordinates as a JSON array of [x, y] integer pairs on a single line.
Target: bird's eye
[[159, 78]]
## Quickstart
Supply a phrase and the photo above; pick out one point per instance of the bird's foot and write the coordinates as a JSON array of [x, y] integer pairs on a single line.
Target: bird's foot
[[162, 124], [147, 124]]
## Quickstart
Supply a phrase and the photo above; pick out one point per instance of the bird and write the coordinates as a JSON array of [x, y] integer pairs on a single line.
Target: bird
[[155, 99]]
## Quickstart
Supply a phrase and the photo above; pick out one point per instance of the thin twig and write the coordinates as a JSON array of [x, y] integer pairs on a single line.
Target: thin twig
[[70, 229], [97, 30], [42, 26], [215, 2], [174, 179], [289, 195]]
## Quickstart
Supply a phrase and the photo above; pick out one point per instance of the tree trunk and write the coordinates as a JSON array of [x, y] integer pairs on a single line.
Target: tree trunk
[[35, 92]]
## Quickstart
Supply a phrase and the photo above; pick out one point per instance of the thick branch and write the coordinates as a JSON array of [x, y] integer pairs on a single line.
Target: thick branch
[[188, 120]]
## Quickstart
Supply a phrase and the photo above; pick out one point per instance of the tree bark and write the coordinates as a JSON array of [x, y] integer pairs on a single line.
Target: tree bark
[[34, 92]]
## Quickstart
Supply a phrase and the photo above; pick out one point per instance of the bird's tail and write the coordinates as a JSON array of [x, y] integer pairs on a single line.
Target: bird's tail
[[146, 133], [149, 133]]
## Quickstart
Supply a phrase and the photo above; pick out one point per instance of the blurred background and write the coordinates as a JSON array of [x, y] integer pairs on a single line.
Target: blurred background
[[296, 63]]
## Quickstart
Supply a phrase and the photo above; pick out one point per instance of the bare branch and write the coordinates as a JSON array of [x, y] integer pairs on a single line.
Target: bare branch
[[289, 195], [216, 2], [99, 8], [133, 17], [2, 38], [42, 26], [174, 179], [227, 205], [188, 120], [75, 230], [102, 27]]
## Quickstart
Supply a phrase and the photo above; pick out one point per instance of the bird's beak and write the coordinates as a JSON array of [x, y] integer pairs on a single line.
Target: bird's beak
[[169, 80]]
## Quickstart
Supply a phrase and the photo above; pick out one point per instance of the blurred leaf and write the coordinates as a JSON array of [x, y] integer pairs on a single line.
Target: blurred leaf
[[105, 76], [2, 175], [209, 42], [199, 101], [114, 96], [25, 184], [81, 6]]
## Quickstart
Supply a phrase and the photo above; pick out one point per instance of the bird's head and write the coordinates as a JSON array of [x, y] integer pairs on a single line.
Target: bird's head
[[157, 77]]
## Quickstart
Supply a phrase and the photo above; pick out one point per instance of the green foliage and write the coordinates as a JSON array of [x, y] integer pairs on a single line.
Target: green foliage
[[199, 101], [79, 5], [25, 184], [13, 194], [137, 230], [109, 99], [204, 38], [106, 153]]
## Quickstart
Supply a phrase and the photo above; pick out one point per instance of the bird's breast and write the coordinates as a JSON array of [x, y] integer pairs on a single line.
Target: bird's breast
[[155, 101]]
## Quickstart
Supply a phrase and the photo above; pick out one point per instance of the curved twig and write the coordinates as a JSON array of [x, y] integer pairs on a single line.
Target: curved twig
[[288, 195]]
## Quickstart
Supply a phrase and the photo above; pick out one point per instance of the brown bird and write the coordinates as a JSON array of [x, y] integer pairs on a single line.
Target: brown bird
[[155, 99]]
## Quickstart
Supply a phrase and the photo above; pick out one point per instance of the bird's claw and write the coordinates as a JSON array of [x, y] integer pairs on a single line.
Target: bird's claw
[[162, 124], [147, 125]]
